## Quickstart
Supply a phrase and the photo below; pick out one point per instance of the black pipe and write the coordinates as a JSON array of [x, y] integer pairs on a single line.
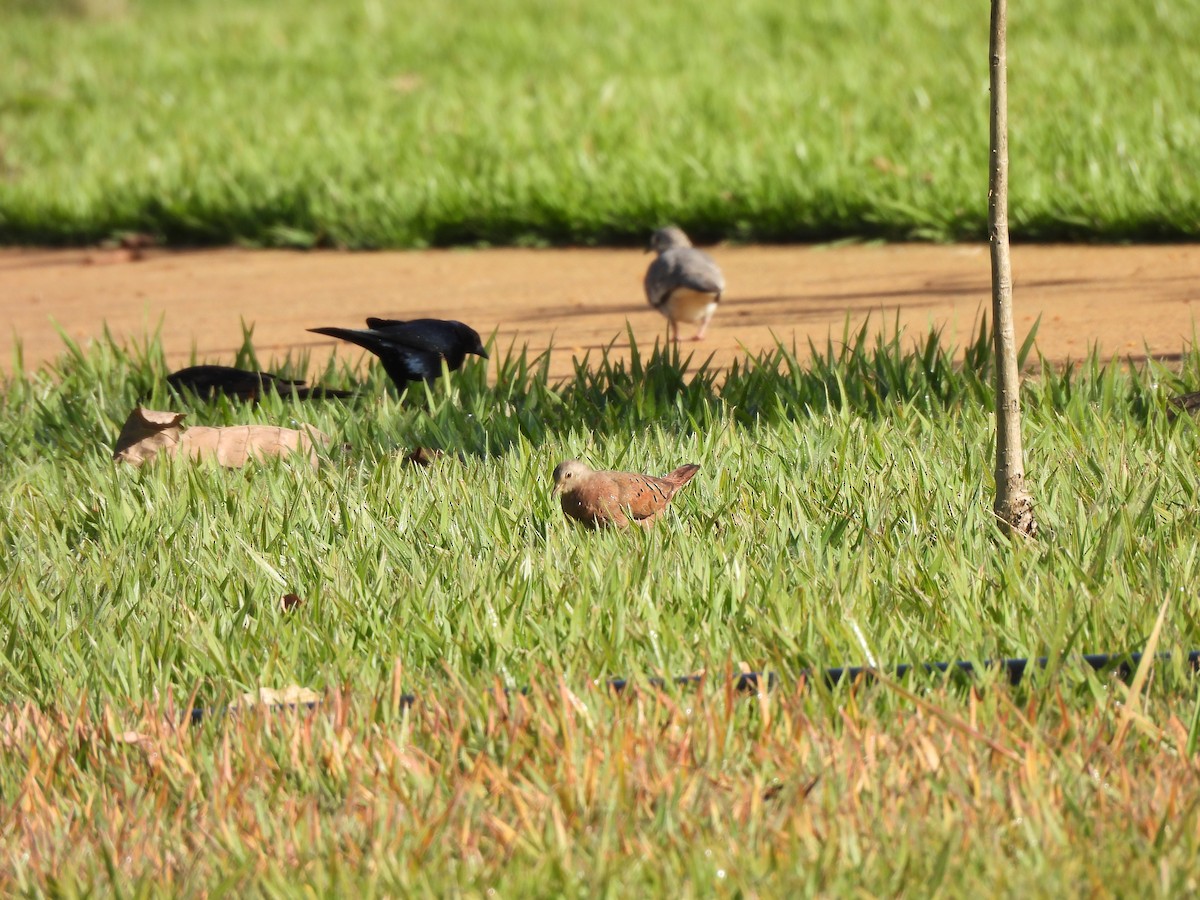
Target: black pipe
[[1122, 664], [744, 683]]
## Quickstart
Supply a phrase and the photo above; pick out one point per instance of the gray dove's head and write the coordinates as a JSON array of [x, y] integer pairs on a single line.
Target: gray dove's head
[[666, 238]]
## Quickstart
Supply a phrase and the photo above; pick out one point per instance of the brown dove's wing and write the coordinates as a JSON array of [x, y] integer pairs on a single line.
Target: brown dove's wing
[[645, 496]]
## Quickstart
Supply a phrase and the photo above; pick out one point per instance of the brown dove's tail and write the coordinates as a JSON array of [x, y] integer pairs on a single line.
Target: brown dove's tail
[[682, 475]]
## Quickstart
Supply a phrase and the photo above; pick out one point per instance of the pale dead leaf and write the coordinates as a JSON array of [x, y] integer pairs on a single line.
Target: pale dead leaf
[[885, 165], [145, 744], [236, 445], [406, 82], [147, 433], [292, 695], [112, 257]]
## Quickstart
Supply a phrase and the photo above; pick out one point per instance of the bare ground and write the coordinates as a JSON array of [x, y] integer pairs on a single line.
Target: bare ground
[[1129, 301]]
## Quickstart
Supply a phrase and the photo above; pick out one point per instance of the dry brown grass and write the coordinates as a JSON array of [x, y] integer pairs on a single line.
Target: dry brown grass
[[544, 792]]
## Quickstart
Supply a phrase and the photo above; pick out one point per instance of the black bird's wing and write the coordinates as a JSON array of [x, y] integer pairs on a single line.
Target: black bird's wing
[[378, 324], [451, 339], [431, 335], [404, 364], [402, 361]]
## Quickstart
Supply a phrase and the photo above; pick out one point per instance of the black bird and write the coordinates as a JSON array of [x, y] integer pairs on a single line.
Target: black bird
[[1186, 402], [208, 381], [413, 350]]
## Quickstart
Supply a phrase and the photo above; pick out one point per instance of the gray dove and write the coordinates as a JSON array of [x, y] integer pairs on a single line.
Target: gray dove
[[683, 283]]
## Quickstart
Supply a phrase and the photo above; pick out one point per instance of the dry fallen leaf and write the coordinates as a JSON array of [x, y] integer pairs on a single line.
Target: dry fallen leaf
[[885, 165], [288, 602], [148, 432], [111, 257], [129, 246], [136, 241], [292, 695], [406, 82]]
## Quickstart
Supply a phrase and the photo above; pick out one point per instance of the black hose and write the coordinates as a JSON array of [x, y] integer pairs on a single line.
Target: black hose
[[1122, 664]]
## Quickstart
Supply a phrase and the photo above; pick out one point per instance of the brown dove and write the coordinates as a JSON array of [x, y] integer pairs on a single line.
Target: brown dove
[[598, 499]]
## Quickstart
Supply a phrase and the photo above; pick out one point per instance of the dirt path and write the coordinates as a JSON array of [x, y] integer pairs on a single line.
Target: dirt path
[[1126, 299]]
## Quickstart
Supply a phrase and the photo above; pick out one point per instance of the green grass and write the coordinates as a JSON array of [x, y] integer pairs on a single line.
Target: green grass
[[380, 124], [849, 496], [842, 512]]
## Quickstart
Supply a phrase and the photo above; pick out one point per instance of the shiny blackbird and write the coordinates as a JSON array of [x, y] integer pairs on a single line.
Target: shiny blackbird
[[207, 382], [413, 350]]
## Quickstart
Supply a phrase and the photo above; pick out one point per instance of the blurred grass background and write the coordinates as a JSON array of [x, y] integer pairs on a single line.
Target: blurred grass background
[[403, 124]]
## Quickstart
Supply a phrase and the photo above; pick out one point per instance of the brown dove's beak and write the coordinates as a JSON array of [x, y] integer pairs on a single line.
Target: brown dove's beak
[[558, 489]]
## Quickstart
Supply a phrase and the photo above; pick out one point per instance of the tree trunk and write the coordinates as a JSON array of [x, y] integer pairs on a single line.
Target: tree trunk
[[1014, 505]]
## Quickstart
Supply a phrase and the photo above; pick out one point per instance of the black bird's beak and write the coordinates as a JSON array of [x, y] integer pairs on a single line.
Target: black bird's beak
[[479, 351]]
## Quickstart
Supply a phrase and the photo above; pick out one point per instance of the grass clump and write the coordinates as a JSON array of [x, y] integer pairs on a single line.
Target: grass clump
[[403, 125], [842, 513], [572, 791]]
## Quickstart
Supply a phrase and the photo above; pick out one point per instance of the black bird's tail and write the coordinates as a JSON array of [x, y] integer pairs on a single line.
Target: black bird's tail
[[368, 340], [313, 393]]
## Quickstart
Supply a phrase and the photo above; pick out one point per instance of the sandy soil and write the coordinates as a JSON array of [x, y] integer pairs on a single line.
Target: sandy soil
[[1128, 300]]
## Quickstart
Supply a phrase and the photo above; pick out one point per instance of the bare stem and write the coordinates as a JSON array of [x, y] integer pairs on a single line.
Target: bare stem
[[1014, 505]]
